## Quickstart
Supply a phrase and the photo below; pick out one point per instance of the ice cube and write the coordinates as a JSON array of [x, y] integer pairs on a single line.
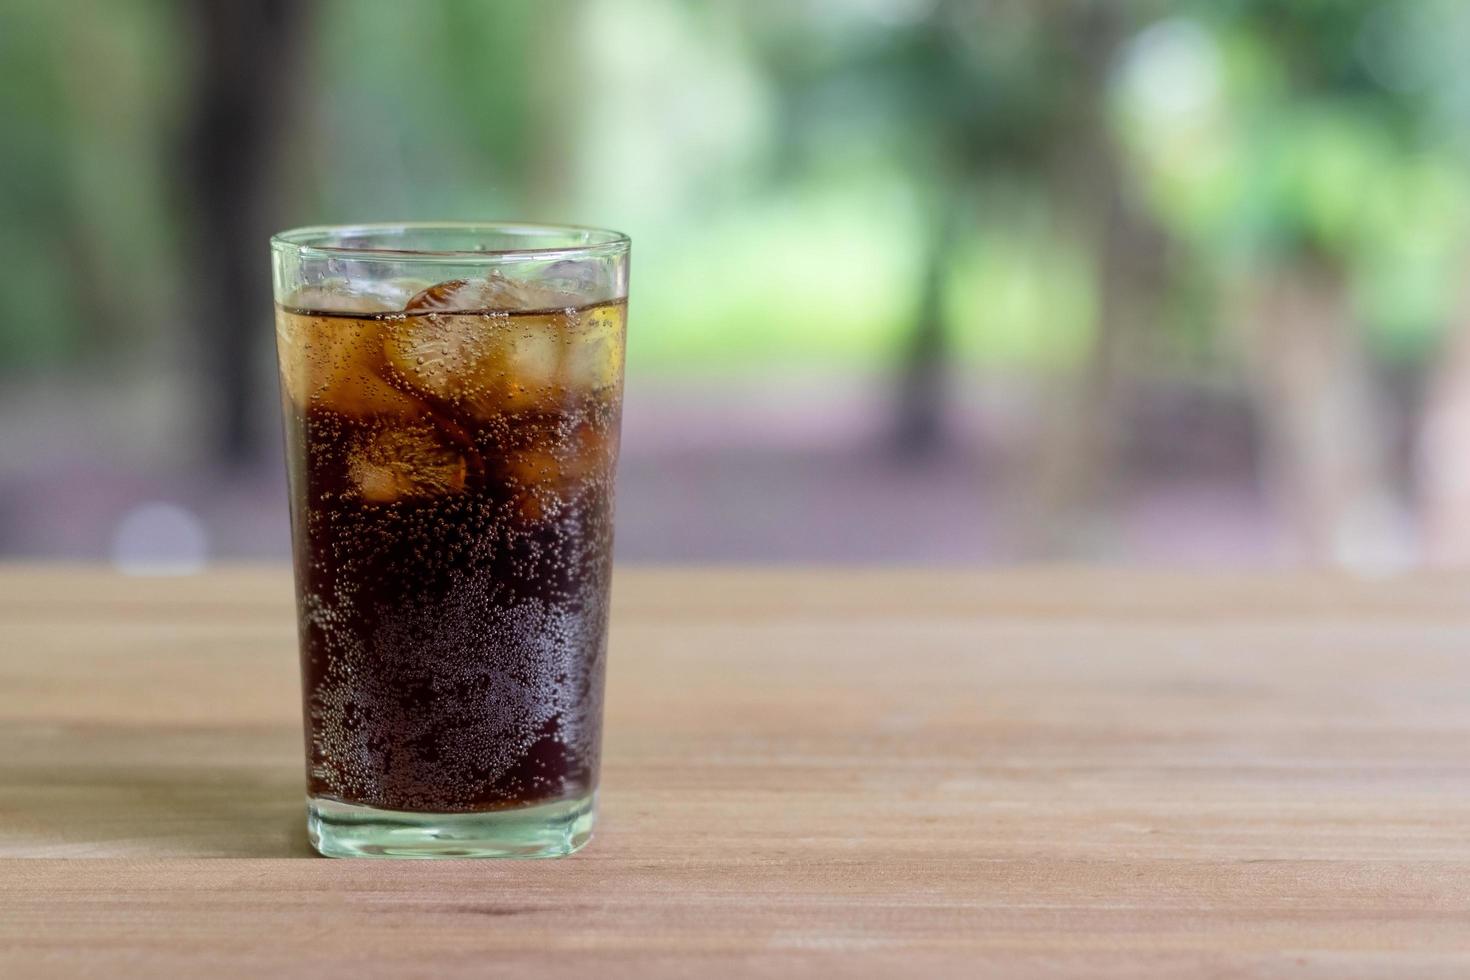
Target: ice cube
[[585, 454], [354, 296], [532, 506], [592, 452], [399, 290], [404, 461], [595, 348], [495, 292], [536, 477], [337, 364], [456, 360], [589, 280], [486, 364], [546, 478], [533, 467], [535, 346], [441, 356]]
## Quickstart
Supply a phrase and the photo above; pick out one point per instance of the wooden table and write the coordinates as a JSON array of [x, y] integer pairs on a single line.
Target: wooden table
[[808, 773]]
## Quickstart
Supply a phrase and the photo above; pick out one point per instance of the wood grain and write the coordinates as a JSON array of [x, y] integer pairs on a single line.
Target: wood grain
[[1048, 773]]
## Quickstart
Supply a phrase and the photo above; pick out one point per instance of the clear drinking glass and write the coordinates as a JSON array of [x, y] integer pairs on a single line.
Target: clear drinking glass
[[452, 396]]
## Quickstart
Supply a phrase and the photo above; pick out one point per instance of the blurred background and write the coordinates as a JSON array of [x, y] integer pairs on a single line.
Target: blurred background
[[948, 281]]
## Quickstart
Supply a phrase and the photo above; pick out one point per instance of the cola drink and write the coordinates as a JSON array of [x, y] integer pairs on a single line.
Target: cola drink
[[451, 451]]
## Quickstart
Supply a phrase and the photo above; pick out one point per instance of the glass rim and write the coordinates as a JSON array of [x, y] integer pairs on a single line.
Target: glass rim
[[325, 241]]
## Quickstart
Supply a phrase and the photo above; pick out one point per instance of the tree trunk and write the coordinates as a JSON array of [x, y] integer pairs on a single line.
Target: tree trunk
[[1443, 451], [1326, 458], [245, 62], [922, 394], [1077, 461]]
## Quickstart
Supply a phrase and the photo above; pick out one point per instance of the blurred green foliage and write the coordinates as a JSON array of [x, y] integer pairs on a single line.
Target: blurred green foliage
[[1314, 131], [779, 165]]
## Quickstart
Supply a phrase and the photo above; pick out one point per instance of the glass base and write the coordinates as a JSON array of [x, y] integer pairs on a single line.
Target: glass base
[[550, 830]]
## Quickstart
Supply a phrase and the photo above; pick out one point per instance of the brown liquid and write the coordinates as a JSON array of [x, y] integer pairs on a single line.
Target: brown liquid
[[451, 503]]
